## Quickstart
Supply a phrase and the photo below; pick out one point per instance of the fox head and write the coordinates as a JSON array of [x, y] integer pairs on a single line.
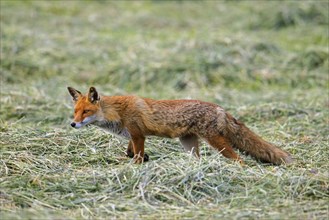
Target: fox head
[[86, 108]]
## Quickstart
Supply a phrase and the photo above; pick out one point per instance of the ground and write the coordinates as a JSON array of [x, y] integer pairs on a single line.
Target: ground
[[264, 62]]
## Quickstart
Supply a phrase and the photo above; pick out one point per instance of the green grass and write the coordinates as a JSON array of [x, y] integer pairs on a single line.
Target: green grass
[[265, 62]]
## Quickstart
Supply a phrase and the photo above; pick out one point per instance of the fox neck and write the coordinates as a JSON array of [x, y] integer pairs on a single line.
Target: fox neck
[[114, 127], [111, 107], [109, 118]]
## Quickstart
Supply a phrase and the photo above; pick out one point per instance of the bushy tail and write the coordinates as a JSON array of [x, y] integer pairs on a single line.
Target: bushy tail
[[244, 139]]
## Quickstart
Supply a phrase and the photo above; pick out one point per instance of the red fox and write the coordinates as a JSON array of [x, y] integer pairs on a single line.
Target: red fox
[[135, 118]]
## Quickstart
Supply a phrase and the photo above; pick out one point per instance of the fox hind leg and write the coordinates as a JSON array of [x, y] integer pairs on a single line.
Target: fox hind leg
[[224, 146], [191, 144]]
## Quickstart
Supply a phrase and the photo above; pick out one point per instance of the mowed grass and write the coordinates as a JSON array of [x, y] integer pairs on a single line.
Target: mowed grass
[[265, 62]]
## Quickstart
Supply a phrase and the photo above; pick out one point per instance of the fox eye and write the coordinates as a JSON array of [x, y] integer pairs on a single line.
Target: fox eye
[[85, 111]]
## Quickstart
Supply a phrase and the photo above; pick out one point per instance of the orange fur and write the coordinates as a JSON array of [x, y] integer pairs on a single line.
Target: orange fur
[[135, 118]]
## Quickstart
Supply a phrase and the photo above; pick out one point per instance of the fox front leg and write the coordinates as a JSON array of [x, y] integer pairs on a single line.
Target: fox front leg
[[130, 152]]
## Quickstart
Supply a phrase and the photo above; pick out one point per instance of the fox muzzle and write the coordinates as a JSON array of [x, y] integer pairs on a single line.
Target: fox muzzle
[[86, 121], [77, 124]]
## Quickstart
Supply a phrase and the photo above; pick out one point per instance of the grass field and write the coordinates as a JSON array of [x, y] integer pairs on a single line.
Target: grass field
[[265, 62]]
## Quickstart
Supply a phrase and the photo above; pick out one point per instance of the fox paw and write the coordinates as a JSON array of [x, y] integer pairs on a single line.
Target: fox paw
[[146, 157], [138, 159], [131, 155]]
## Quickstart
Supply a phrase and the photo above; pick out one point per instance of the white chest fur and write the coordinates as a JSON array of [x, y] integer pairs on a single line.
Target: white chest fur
[[114, 127]]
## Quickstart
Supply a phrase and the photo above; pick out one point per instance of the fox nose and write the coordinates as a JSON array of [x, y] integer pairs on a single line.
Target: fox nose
[[73, 124]]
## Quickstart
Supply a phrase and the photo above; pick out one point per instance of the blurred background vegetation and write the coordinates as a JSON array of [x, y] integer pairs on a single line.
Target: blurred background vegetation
[[233, 53]]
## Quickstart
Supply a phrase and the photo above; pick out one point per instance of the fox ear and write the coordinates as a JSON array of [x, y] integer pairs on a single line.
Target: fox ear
[[74, 93], [93, 96]]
